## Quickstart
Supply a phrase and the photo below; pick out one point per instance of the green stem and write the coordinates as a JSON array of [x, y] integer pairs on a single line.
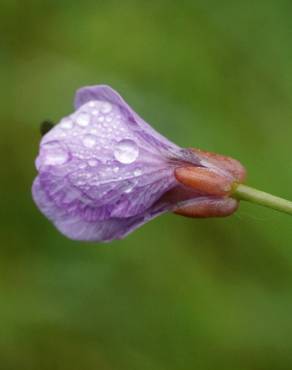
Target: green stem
[[244, 192]]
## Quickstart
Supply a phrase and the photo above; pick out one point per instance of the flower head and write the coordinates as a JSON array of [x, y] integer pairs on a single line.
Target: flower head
[[103, 171]]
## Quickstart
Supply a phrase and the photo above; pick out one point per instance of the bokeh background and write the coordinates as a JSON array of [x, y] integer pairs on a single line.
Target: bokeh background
[[178, 293]]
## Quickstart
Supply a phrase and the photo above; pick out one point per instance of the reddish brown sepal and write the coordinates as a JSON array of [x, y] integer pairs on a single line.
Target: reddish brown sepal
[[214, 181]]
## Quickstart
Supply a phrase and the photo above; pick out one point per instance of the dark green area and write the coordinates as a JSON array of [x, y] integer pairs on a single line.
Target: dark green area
[[177, 294]]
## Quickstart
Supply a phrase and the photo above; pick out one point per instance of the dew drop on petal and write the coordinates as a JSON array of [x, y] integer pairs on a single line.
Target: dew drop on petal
[[137, 172], [129, 186], [67, 124], [52, 154], [89, 141], [93, 162], [106, 107], [83, 119], [126, 151], [80, 182], [82, 165]]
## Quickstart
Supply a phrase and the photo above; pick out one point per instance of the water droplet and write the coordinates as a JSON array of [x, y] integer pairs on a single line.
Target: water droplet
[[108, 119], [137, 172], [126, 151], [89, 141], [116, 169], [67, 124], [95, 112], [83, 119], [52, 154], [93, 162], [129, 187], [106, 107], [101, 119]]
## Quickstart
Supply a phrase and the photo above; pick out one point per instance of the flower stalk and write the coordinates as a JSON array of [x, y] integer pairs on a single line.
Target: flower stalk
[[247, 193]]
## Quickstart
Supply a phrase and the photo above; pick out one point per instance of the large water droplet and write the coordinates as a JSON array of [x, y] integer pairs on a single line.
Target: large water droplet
[[52, 154], [126, 151], [83, 119], [89, 141]]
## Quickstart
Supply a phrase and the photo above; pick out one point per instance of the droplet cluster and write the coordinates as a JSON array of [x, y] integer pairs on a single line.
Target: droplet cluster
[[104, 150]]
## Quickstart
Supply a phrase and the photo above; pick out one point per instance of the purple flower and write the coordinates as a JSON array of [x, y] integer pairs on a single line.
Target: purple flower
[[103, 171]]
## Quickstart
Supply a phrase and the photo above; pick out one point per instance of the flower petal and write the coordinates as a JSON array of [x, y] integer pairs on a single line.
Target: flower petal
[[142, 128], [74, 226], [106, 93], [97, 165]]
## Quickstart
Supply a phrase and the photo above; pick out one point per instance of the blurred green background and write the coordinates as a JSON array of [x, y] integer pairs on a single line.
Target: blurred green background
[[178, 293]]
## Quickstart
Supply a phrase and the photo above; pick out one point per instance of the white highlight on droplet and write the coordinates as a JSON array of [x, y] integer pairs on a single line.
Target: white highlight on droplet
[[126, 151], [106, 107], [93, 162], [137, 172], [83, 119], [82, 165], [129, 188], [52, 154], [89, 141], [67, 124]]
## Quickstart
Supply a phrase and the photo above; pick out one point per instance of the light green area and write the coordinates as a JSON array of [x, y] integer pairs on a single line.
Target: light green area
[[178, 294], [245, 192]]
